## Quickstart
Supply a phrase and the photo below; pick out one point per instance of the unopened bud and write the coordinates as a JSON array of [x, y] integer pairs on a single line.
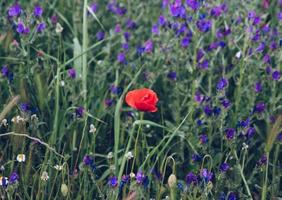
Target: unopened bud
[[172, 180], [64, 189]]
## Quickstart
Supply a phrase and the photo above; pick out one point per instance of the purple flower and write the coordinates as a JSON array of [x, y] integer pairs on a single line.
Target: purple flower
[[216, 111], [14, 10], [251, 131], [162, 20], [37, 11], [266, 58], [100, 35], [261, 47], [175, 9], [140, 50], [193, 4], [259, 107], [185, 42], [140, 176], [130, 24], [279, 16], [22, 29], [222, 83], [41, 27], [118, 28], [196, 158], [54, 19], [149, 45], [279, 137], [125, 46], [191, 178], [14, 177], [5, 71], [230, 133], [25, 107], [79, 111], [115, 90], [258, 87], [224, 167], [276, 75], [226, 103], [208, 110], [204, 64], [126, 36], [204, 25], [121, 58], [200, 55], [232, 196], [262, 161], [113, 181], [199, 97], [72, 73], [155, 29], [94, 7], [268, 70], [88, 160], [203, 139], [108, 102], [172, 75], [206, 174]]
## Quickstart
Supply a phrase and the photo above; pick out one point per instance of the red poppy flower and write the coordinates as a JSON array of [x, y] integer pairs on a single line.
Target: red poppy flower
[[142, 99]]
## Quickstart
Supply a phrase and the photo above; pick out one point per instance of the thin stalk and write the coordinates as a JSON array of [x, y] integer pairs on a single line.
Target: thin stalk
[[264, 187], [84, 48], [242, 175]]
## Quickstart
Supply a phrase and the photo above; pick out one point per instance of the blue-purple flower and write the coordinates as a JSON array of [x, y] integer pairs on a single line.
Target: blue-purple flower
[[204, 25], [72, 73], [113, 181], [121, 58], [149, 45], [222, 83], [203, 138], [172, 75], [191, 178], [140, 177], [230, 133], [14, 177], [206, 174], [259, 107], [41, 27], [14, 10], [37, 11], [79, 112], [224, 167]]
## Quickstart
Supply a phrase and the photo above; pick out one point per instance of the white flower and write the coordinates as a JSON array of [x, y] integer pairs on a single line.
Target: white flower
[[44, 176], [17, 119], [21, 158], [59, 28], [58, 167], [110, 155], [238, 54], [132, 175], [4, 122], [129, 155], [245, 146], [62, 83], [92, 129]]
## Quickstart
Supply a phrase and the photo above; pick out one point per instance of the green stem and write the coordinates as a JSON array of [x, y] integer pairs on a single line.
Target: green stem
[[243, 176], [264, 187], [84, 57]]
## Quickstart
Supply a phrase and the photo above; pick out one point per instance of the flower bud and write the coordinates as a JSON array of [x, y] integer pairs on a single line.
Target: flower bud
[[64, 189], [172, 181]]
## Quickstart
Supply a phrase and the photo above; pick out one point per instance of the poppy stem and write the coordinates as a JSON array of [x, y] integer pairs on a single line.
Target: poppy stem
[[136, 141]]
